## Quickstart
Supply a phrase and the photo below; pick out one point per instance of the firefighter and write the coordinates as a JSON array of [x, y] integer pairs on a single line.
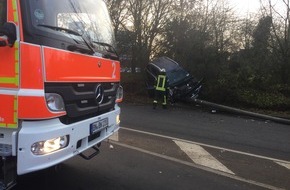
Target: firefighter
[[161, 89]]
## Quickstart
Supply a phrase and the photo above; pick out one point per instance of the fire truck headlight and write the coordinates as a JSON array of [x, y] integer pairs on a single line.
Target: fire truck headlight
[[120, 93], [54, 102], [118, 119], [51, 145]]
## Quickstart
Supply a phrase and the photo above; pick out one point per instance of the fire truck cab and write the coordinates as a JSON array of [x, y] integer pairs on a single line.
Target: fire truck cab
[[59, 83]]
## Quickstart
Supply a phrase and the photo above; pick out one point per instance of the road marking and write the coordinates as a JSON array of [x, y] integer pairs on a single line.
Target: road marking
[[210, 146], [201, 157], [198, 166], [115, 136], [286, 165]]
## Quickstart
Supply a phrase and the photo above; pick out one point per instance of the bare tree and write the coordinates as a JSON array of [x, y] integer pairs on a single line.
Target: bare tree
[[144, 20], [118, 12], [280, 13], [148, 19]]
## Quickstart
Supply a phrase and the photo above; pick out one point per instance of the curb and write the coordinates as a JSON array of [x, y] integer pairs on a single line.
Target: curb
[[243, 112]]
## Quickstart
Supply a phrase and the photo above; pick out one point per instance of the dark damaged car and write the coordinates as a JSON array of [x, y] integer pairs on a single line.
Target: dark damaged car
[[182, 85]]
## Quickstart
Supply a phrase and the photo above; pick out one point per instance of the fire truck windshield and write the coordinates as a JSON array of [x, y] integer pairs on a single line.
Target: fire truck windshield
[[88, 18]]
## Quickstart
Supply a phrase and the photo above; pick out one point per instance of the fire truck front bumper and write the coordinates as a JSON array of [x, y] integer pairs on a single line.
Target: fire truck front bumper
[[42, 144]]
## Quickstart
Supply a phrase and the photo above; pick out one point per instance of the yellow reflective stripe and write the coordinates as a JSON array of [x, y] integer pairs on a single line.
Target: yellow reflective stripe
[[15, 119], [8, 80], [15, 14], [15, 17], [13, 80], [14, 5], [12, 125], [15, 116], [16, 56], [8, 125]]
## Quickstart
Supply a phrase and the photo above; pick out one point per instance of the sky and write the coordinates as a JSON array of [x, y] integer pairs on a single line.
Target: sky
[[243, 7]]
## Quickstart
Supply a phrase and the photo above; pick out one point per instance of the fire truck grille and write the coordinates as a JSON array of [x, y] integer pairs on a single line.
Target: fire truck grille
[[84, 100]]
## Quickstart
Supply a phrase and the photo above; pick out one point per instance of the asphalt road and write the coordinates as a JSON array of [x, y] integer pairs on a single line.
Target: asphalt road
[[179, 148], [195, 124]]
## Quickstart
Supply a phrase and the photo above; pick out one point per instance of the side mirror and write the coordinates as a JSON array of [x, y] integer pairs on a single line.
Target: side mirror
[[7, 34]]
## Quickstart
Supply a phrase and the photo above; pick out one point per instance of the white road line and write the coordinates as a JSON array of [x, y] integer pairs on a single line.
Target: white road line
[[207, 145], [286, 165], [201, 157], [263, 185]]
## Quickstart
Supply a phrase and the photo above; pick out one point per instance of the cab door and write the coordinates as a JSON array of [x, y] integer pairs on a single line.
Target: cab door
[[9, 68]]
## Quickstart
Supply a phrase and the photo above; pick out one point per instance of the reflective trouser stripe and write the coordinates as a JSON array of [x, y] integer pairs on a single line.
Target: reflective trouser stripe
[[164, 100]]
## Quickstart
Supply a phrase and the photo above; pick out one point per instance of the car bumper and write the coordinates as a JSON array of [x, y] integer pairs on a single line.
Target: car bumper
[[80, 140]]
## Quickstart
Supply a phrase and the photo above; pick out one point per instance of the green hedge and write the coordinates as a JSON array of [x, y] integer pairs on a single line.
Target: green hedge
[[226, 92]]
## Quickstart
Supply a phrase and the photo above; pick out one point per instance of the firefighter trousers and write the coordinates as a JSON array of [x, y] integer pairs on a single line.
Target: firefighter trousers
[[160, 96]]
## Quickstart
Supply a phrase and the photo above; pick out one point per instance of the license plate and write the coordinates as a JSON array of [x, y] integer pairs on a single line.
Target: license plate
[[99, 125]]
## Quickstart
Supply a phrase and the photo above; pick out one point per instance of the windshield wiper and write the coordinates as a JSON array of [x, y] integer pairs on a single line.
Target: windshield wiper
[[57, 28], [69, 31], [110, 50]]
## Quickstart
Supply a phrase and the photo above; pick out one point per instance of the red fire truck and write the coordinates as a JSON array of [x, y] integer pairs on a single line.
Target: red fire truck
[[59, 83]]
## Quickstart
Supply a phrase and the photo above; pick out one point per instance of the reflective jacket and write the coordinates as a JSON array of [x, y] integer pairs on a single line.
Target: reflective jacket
[[161, 84]]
